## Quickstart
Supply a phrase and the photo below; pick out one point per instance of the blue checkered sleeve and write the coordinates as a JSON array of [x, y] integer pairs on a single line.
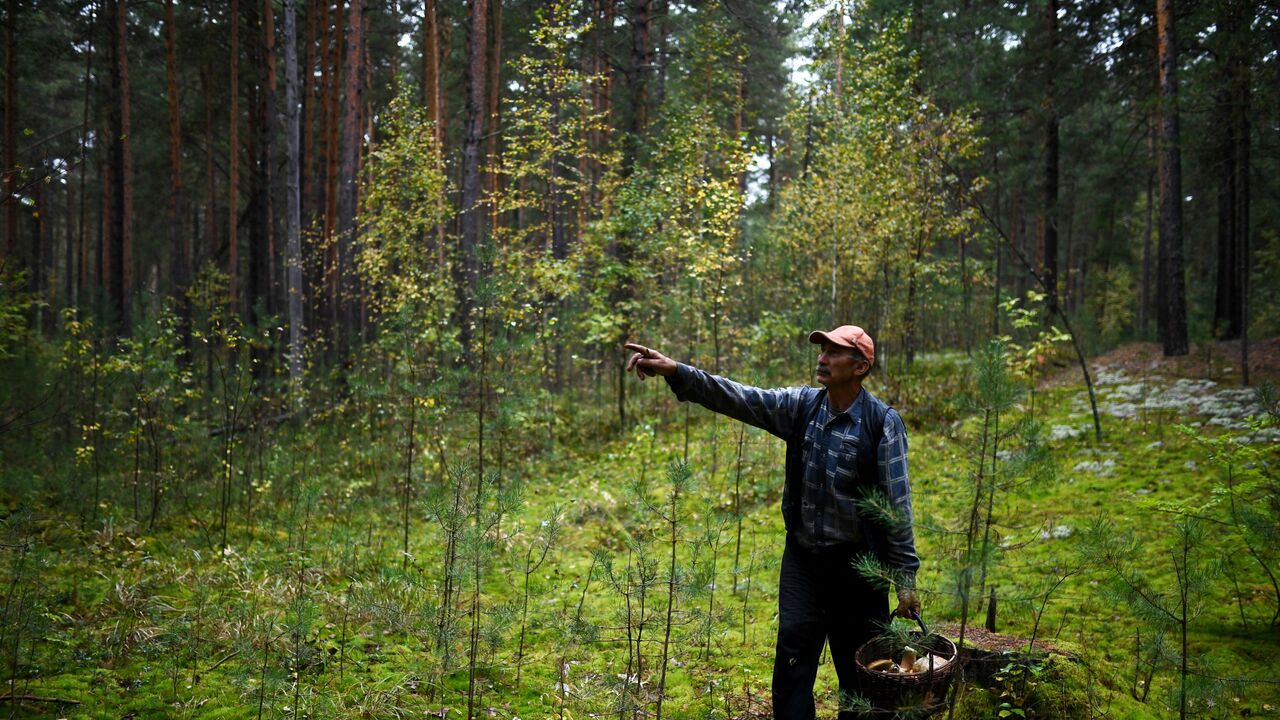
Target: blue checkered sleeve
[[773, 410], [891, 460]]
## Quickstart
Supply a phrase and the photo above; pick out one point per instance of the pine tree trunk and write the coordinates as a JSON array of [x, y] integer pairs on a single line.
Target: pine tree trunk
[[473, 136], [1171, 291], [258, 207], [353, 102], [1226, 310], [82, 244], [126, 170], [211, 243], [432, 92], [1232, 100], [308, 132], [431, 65], [10, 136], [233, 165], [113, 247], [1243, 155], [293, 208], [638, 72], [494, 114], [1049, 238], [555, 192], [1144, 301], [331, 170], [270, 285], [179, 245]]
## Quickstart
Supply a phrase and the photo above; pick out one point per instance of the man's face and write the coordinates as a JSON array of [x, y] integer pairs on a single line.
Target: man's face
[[839, 365]]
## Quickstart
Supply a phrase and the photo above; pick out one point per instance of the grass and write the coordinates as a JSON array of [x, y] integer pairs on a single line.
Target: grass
[[308, 613]]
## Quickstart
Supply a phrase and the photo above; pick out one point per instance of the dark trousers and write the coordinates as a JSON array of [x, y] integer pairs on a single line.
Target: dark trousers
[[820, 598]]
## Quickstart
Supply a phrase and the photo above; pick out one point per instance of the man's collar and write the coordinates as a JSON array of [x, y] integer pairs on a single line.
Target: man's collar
[[854, 409]]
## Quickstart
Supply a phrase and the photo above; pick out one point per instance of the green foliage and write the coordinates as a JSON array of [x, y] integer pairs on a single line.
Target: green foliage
[[879, 190], [15, 306], [406, 270], [1173, 607], [1045, 340], [1246, 500]]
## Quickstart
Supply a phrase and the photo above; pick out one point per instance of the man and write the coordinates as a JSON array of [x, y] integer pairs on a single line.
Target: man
[[842, 443]]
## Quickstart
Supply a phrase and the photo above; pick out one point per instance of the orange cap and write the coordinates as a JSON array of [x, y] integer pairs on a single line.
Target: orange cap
[[850, 336]]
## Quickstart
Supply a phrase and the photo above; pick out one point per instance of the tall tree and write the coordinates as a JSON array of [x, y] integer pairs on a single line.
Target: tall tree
[[308, 131], [117, 255], [82, 244], [233, 164], [472, 139], [638, 71], [433, 92], [126, 169], [179, 244], [1049, 219], [332, 104], [1232, 46], [494, 113], [266, 284], [431, 64], [10, 134], [1171, 290], [353, 103], [293, 209]]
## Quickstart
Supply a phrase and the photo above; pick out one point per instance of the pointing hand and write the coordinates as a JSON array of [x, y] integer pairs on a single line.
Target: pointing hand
[[648, 362]]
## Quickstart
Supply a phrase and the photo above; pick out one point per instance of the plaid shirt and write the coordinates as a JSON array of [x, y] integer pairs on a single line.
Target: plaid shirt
[[828, 482]]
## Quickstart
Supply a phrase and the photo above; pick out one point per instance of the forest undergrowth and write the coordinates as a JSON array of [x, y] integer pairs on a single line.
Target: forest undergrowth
[[328, 567]]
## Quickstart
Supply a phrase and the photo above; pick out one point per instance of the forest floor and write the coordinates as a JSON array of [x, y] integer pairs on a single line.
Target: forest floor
[[312, 611], [1217, 361]]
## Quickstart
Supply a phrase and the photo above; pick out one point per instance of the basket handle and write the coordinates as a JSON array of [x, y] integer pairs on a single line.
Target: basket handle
[[915, 615]]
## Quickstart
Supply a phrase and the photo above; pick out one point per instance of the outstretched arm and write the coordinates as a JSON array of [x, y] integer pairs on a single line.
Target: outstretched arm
[[771, 410]]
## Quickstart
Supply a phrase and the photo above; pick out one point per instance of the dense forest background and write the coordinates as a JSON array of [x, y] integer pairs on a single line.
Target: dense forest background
[[627, 161], [311, 319]]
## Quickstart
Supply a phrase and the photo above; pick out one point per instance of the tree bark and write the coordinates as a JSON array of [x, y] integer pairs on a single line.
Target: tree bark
[[433, 94], [638, 78], [331, 169], [269, 284], [353, 102], [473, 136], [233, 165], [293, 207], [113, 242], [179, 244], [431, 67], [1049, 236], [1232, 114], [10, 135], [211, 242], [308, 131], [1171, 290], [82, 244], [494, 114], [555, 191], [1226, 306], [1144, 298], [126, 171]]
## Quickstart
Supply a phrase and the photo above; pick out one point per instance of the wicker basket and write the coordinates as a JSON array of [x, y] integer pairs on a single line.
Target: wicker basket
[[913, 695]]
